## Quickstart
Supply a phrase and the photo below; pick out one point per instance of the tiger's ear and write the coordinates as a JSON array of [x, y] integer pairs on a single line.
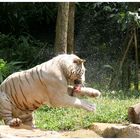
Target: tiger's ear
[[83, 60], [79, 61]]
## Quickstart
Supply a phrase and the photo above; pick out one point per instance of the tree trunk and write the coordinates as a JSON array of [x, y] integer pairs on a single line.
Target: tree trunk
[[125, 53], [70, 39], [126, 75], [137, 63], [62, 28]]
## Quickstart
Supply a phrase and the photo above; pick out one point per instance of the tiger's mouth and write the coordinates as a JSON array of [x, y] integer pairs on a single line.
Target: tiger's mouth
[[77, 86]]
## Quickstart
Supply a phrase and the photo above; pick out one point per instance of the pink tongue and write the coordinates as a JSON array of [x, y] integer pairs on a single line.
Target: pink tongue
[[77, 88]]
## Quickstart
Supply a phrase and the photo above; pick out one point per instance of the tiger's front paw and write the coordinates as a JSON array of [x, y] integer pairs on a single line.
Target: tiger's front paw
[[15, 122], [91, 107]]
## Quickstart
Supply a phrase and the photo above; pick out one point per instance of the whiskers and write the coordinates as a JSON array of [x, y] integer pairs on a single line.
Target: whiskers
[[85, 84]]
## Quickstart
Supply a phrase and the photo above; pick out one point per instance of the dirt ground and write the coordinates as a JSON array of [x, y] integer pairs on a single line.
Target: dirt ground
[[7, 132], [97, 130]]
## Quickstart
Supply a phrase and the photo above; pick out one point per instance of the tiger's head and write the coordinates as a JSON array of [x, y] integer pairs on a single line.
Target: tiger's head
[[73, 68]]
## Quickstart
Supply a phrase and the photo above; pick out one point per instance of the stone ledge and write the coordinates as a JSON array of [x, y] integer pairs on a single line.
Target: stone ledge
[[97, 130], [117, 130]]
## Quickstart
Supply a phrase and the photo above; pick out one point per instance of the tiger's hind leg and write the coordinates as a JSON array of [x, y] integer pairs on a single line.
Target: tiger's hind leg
[[9, 120], [27, 120], [6, 111]]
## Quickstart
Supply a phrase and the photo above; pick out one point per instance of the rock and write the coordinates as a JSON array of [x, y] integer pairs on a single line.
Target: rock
[[130, 131], [99, 128], [82, 133], [134, 113], [112, 132]]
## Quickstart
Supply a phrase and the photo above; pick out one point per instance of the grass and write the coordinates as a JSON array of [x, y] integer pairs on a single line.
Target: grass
[[111, 108]]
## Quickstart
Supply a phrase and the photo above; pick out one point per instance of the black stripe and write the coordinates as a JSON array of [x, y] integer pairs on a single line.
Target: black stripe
[[16, 99], [41, 72], [6, 115], [6, 88], [14, 85], [10, 94], [7, 100], [20, 79], [24, 104], [70, 75], [79, 71], [45, 66], [34, 106], [26, 107], [7, 109], [38, 102], [32, 74], [27, 78], [22, 93], [15, 103], [39, 76]]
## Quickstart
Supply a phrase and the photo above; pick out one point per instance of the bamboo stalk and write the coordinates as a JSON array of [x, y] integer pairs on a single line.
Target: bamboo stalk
[[115, 77], [125, 53]]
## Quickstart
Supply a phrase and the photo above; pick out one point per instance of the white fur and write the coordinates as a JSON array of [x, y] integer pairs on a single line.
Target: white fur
[[49, 87]]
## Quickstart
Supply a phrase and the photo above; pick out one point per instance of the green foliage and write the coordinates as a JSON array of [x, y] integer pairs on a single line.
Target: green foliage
[[3, 70], [102, 24], [21, 17], [8, 68], [128, 20], [111, 108], [23, 48]]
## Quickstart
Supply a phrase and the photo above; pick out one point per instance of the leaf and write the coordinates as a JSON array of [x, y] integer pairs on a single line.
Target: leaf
[[1, 77], [17, 62], [107, 8], [109, 66]]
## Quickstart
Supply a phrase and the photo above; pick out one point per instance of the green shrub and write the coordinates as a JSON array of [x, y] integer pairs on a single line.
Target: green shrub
[[23, 48], [8, 68]]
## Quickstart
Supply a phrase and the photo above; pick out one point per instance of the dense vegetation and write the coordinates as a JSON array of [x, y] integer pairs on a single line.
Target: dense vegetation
[[102, 33]]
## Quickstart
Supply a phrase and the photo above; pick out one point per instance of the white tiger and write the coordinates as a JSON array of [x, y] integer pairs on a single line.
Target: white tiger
[[23, 92]]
